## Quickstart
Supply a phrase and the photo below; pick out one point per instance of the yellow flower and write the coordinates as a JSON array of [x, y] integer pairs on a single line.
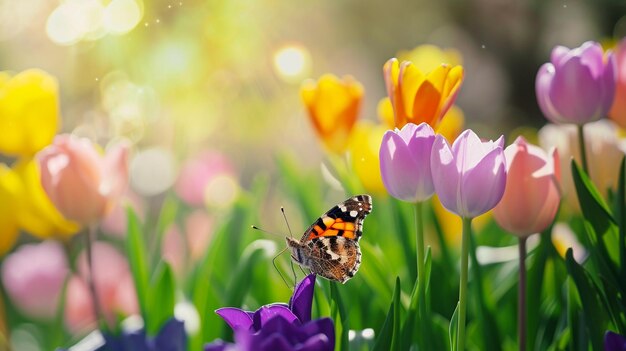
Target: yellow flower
[[10, 185], [29, 112], [421, 97], [333, 105], [428, 57], [450, 127], [364, 146], [37, 215], [25, 206]]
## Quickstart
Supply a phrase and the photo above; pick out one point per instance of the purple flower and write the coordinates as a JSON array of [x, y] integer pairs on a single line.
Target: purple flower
[[578, 85], [405, 162], [470, 176], [279, 326], [171, 337], [614, 342]]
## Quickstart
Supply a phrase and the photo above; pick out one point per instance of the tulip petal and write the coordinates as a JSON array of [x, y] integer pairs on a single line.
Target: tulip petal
[[614, 341], [483, 185], [446, 177], [171, 336], [575, 92], [396, 166], [543, 84], [302, 299], [235, 318], [269, 312]]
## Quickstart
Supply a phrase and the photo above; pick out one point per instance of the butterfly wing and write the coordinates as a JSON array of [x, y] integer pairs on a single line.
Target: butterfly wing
[[344, 219], [331, 243]]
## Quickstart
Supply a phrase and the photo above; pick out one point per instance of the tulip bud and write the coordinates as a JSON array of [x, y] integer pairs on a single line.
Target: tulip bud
[[470, 176], [81, 183], [531, 197]]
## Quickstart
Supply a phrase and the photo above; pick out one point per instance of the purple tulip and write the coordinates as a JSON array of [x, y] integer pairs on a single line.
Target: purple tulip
[[405, 162], [470, 177], [279, 326], [578, 85], [614, 342], [171, 337]]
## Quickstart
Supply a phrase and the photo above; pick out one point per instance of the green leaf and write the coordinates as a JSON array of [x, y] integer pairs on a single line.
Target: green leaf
[[137, 259], [162, 298], [621, 216], [591, 203], [453, 329], [252, 256], [388, 336], [595, 320], [396, 340], [340, 316]]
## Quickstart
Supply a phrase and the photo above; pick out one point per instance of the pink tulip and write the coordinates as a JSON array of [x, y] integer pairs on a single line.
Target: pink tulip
[[114, 288], [181, 249], [196, 174], [33, 277], [405, 162], [618, 110], [577, 85], [470, 176], [531, 197], [81, 183], [114, 222]]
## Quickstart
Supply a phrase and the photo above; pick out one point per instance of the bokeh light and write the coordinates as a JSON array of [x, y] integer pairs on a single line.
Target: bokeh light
[[152, 171], [292, 62]]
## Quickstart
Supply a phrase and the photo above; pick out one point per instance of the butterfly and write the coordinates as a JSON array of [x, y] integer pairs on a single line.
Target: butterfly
[[330, 246]]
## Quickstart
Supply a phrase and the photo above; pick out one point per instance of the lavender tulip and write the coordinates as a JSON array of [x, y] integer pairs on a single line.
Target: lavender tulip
[[577, 85], [405, 162], [470, 176], [279, 326]]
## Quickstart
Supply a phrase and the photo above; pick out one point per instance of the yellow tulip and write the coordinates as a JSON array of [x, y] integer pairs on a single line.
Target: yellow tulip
[[364, 146], [333, 105], [428, 57], [29, 112], [419, 97], [37, 215], [25, 206], [10, 186]]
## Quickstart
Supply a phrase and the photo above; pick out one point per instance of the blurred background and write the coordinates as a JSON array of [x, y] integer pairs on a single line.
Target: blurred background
[[187, 75]]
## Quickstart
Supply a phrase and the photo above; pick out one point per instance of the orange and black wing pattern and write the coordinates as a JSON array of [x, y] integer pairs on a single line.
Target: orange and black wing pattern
[[344, 220]]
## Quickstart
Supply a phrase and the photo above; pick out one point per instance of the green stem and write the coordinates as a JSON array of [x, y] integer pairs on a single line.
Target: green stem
[[521, 296], [89, 238], [583, 148], [424, 320], [467, 231]]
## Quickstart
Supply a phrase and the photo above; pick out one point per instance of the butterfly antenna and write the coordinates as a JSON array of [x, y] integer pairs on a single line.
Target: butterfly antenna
[[278, 270], [293, 270], [275, 257], [282, 209]]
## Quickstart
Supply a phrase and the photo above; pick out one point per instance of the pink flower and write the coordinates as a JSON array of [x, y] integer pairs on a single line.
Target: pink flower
[[197, 173], [470, 177], [405, 162], [531, 197], [181, 249], [33, 277], [577, 85], [618, 110], [114, 222], [114, 288], [81, 183]]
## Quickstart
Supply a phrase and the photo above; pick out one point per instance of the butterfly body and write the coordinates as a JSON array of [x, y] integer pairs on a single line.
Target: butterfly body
[[330, 246]]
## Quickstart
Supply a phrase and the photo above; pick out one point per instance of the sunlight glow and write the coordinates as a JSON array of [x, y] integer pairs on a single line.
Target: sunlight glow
[[292, 62]]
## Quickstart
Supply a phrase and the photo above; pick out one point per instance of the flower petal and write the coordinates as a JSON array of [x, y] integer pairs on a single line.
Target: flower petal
[[445, 174], [482, 187], [235, 317], [172, 336], [302, 299], [269, 312]]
